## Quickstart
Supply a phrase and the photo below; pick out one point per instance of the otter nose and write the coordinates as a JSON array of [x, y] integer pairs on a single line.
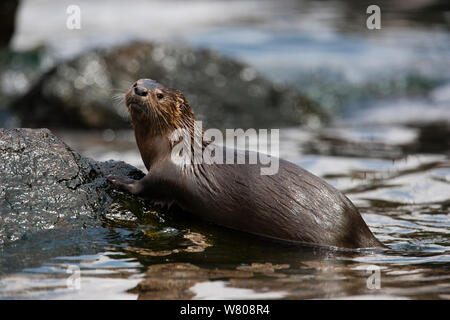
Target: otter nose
[[140, 91]]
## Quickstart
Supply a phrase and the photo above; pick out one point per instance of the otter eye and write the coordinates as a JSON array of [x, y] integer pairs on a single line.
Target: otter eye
[[159, 96]]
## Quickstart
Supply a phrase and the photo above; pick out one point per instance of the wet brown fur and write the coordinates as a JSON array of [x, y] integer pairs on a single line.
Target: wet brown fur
[[291, 205]]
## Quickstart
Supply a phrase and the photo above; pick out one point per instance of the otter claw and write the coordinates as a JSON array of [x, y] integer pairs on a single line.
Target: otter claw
[[121, 183], [120, 179], [113, 179]]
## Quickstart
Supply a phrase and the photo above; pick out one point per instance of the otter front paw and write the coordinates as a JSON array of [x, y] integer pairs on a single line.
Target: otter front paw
[[122, 183]]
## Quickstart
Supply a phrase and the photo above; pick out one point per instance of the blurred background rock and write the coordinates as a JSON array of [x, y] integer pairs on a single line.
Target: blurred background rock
[[273, 63]]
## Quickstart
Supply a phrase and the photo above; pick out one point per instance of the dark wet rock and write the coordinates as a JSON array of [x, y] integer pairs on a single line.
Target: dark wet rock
[[44, 185], [432, 138], [81, 92]]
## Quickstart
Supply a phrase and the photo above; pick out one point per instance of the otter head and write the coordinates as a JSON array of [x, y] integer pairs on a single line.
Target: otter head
[[156, 108], [156, 112]]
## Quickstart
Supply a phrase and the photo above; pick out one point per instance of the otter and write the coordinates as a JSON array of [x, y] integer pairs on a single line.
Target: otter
[[291, 205]]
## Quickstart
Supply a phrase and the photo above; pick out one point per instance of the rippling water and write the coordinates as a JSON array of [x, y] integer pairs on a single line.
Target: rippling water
[[388, 151]]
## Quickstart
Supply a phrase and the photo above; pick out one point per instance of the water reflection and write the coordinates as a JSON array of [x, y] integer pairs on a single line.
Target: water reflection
[[105, 275]]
